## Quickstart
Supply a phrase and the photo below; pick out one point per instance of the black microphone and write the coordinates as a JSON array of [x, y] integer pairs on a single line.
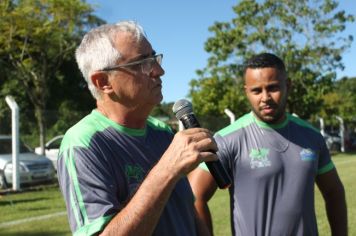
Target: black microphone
[[183, 110]]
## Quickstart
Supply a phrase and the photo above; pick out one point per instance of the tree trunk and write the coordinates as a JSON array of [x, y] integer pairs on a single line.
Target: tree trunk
[[41, 122]]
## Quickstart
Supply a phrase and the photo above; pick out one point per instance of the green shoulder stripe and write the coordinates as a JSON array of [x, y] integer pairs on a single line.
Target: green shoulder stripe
[[301, 122], [106, 122], [242, 122], [265, 125], [155, 123], [94, 227], [81, 133], [70, 165], [326, 168]]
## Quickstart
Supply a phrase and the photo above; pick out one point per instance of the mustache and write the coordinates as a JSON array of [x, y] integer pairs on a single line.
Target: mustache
[[269, 105]]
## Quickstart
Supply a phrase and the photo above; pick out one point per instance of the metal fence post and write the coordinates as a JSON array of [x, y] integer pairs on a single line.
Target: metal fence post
[[15, 141], [230, 114]]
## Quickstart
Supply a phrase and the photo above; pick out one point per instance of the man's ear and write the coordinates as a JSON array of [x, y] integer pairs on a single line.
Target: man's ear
[[101, 82]]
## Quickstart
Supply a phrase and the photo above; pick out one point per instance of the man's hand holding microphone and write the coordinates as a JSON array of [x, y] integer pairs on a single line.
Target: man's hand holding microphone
[[192, 146]]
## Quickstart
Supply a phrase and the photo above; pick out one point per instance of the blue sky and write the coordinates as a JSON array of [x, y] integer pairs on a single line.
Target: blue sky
[[179, 29]]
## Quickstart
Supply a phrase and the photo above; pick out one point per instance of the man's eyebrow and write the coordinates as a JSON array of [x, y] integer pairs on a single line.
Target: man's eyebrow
[[253, 88]]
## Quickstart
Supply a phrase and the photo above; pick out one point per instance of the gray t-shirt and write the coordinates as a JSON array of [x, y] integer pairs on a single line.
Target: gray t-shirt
[[101, 164], [273, 168]]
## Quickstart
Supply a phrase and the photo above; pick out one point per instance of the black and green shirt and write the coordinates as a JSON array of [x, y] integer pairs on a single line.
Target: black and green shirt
[[100, 166], [273, 168]]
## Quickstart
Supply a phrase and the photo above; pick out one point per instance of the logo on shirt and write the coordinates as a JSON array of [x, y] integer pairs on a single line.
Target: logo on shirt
[[259, 158], [135, 172], [307, 155]]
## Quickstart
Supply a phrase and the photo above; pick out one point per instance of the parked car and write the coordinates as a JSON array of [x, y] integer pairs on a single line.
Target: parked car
[[33, 168], [333, 141], [52, 149]]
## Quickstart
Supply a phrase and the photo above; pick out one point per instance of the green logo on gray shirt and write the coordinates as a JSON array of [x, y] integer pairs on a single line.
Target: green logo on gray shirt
[[259, 158]]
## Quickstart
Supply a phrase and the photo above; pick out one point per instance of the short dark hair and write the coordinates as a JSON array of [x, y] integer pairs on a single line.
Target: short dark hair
[[264, 60]]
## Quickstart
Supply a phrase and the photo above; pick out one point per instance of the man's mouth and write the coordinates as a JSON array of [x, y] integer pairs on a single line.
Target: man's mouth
[[267, 109]]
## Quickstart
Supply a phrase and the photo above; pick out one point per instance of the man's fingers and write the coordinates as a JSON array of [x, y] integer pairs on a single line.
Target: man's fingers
[[207, 144], [195, 130], [195, 134]]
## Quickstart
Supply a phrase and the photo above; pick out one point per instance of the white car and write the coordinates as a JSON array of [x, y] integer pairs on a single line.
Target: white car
[[333, 141], [33, 168], [52, 149]]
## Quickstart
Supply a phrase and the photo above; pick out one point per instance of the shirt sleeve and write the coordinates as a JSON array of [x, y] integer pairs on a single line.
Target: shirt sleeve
[[325, 163], [88, 188]]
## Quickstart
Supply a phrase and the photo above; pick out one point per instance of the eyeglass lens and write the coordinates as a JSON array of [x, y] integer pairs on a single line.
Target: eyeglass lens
[[148, 65]]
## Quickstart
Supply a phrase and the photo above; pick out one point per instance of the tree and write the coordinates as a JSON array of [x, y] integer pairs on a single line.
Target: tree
[[341, 102], [305, 34], [163, 110], [36, 37], [165, 113]]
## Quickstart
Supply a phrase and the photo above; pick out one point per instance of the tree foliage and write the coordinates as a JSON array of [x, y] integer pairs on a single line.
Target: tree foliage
[[36, 38], [163, 110], [307, 35], [341, 102]]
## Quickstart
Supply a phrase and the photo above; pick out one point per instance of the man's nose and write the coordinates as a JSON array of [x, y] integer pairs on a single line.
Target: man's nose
[[157, 70], [265, 96]]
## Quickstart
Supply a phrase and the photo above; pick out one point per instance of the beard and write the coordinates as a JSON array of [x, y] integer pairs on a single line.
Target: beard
[[276, 117]]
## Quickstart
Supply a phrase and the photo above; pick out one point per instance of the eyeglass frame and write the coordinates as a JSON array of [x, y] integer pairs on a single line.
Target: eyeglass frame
[[139, 62]]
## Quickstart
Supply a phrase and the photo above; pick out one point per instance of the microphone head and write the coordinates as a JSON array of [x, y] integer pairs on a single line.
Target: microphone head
[[182, 107]]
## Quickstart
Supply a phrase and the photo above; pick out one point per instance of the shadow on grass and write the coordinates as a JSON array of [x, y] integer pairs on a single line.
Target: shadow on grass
[[13, 202], [29, 188]]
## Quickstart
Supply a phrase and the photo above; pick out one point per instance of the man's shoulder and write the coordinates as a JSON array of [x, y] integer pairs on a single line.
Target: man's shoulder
[[239, 124], [302, 123], [157, 124], [81, 133]]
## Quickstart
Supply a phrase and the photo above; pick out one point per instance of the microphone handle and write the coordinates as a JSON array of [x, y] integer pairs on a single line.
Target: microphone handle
[[189, 121], [218, 172]]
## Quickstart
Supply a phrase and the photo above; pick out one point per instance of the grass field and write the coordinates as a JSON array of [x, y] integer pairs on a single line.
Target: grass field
[[33, 203], [48, 201]]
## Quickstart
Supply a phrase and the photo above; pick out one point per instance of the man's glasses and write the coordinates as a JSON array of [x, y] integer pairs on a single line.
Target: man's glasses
[[145, 64]]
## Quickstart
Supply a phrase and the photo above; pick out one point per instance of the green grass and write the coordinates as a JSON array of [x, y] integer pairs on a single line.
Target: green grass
[[43, 200], [46, 200], [346, 166]]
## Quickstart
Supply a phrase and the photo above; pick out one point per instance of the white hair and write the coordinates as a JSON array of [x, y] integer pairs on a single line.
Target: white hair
[[97, 50]]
